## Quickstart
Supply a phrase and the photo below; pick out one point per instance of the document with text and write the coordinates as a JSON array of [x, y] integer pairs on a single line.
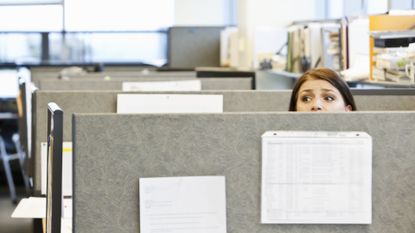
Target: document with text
[[316, 177], [169, 103], [178, 85], [195, 204]]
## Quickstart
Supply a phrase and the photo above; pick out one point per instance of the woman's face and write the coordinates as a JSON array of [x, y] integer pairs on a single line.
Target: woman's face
[[320, 96]]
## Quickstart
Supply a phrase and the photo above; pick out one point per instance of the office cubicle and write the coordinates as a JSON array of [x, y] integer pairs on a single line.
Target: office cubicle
[[389, 99], [106, 102], [234, 101], [111, 153]]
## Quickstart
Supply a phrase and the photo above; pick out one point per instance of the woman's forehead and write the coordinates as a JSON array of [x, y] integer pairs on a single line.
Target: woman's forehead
[[317, 84]]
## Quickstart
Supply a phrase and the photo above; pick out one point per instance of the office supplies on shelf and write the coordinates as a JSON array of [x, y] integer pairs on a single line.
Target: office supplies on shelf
[[381, 24], [392, 63], [316, 43], [391, 39]]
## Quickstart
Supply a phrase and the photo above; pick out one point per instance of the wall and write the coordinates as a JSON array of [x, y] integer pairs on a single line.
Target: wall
[[202, 12]]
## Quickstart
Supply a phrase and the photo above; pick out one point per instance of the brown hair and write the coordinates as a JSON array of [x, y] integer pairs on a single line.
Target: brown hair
[[327, 75]]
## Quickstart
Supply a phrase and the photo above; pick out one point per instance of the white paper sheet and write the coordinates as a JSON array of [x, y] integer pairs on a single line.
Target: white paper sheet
[[169, 103], [316, 177], [181, 85], [66, 167], [183, 204], [35, 207], [32, 207]]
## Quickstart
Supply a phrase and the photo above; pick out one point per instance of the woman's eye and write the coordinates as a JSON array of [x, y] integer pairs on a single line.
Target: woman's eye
[[329, 98], [306, 98]]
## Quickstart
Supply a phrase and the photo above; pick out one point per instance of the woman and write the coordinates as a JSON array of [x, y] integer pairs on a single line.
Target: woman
[[321, 89]]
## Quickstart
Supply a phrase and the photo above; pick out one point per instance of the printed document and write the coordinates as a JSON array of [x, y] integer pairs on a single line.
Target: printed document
[[183, 204], [169, 103], [180, 85], [316, 177]]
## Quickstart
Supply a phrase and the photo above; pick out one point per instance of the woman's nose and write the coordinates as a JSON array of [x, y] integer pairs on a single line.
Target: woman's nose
[[316, 105]]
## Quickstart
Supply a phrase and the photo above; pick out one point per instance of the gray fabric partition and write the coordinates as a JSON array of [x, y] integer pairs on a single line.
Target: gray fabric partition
[[190, 47], [112, 151], [39, 75], [385, 102], [116, 84], [234, 101], [97, 83], [105, 102]]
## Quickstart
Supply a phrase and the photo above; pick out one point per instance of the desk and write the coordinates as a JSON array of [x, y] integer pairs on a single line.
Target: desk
[[35, 208]]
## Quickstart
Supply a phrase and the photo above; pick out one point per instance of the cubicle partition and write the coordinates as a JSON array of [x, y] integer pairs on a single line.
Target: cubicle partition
[[190, 47], [37, 76], [111, 153], [234, 101], [217, 83], [106, 102], [384, 99]]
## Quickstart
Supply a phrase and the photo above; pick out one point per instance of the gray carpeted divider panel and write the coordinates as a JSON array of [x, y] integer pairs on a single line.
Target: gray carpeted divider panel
[[234, 101], [105, 102], [116, 84], [112, 151]]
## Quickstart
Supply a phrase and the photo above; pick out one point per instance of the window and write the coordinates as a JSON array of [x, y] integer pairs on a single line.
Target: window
[[31, 18], [30, 2], [96, 30], [106, 47], [377, 7], [20, 47], [120, 15], [401, 4]]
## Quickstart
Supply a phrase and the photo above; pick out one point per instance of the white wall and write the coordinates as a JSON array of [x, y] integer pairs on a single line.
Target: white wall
[[279, 12], [201, 12]]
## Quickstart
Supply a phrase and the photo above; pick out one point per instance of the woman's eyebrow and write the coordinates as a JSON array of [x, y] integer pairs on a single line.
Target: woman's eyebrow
[[306, 90], [327, 90]]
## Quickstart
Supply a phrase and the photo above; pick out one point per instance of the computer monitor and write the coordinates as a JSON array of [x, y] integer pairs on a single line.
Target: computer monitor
[[54, 169]]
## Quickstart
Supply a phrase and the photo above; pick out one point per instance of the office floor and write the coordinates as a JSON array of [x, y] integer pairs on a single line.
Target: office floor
[[8, 224]]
